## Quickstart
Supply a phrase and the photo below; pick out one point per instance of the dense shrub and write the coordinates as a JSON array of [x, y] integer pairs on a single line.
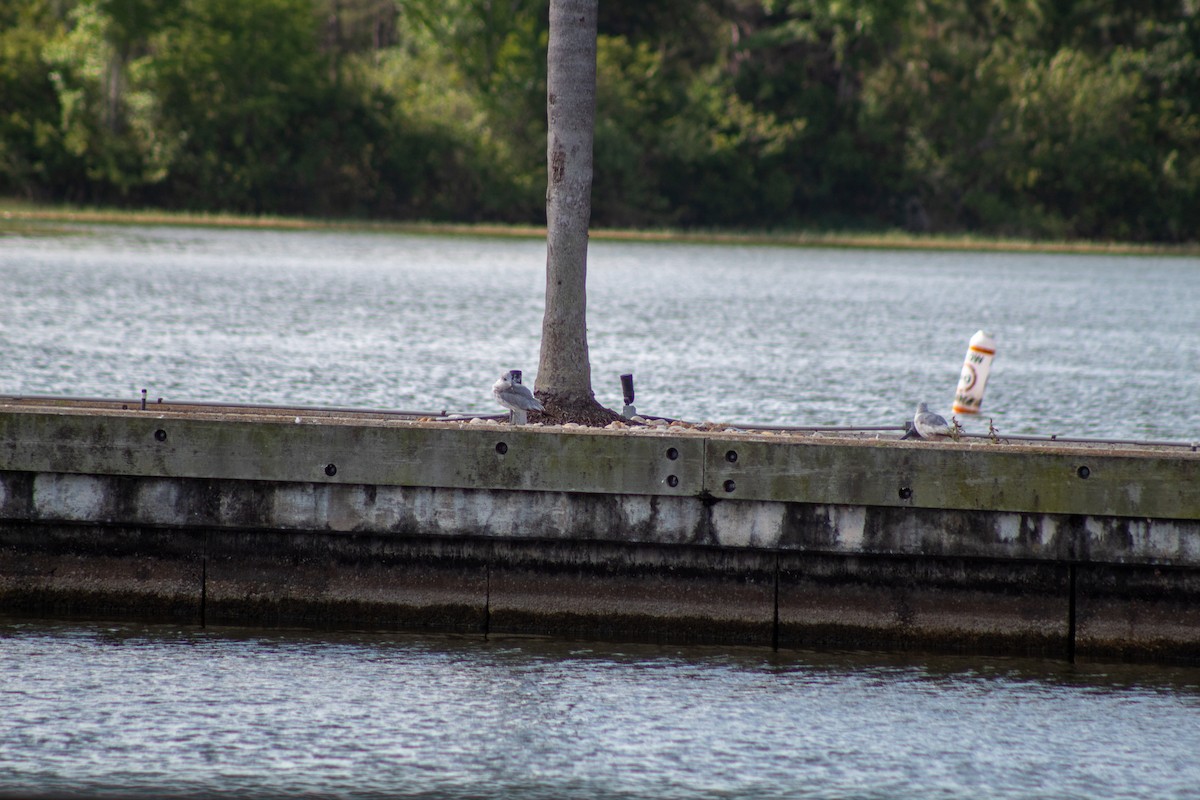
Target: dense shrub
[[1038, 118]]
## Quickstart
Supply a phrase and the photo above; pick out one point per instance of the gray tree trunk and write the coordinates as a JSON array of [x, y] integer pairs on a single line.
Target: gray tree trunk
[[564, 380]]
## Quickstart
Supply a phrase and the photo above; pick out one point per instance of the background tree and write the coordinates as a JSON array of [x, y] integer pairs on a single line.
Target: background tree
[[32, 159], [1033, 118]]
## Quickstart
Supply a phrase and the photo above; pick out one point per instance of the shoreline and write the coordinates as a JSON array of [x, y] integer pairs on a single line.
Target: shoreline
[[17, 211]]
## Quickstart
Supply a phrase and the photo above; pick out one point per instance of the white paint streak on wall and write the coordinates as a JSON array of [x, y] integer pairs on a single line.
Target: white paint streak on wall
[[157, 503], [494, 514], [392, 508], [292, 506], [748, 524], [1008, 528], [636, 509], [850, 522], [68, 497]]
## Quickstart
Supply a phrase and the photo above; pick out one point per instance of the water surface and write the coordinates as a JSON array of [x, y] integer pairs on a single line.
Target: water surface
[[130, 710], [1088, 346], [1099, 346]]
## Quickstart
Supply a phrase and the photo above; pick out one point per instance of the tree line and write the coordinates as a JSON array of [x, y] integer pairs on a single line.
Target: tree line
[[1033, 118]]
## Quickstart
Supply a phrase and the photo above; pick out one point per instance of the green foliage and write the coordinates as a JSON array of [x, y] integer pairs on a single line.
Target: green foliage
[[31, 151], [239, 104], [445, 147], [1013, 122], [107, 118], [469, 77], [1064, 118], [631, 97]]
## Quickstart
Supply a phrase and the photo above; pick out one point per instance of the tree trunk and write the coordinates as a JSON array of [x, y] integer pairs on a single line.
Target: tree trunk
[[564, 381]]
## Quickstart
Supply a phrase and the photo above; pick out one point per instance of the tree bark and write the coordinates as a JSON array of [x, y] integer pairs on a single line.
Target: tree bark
[[564, 381]]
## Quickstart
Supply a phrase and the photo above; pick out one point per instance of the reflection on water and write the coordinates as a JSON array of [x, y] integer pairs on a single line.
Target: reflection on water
[[1094, 346], [121, 709]]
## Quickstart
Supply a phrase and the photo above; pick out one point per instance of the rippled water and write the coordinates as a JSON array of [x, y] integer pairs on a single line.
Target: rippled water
[[1089, 346], [1092, 346], [128, 710]]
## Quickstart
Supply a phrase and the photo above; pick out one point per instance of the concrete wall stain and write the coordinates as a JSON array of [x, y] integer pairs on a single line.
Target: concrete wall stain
[[416, 527]]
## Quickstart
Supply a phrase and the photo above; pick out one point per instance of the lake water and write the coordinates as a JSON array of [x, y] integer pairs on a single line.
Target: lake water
[[114, 710], [1087, 346]]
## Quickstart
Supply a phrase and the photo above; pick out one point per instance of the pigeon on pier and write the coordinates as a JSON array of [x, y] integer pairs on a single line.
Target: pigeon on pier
[[929, 425], [515, 396]]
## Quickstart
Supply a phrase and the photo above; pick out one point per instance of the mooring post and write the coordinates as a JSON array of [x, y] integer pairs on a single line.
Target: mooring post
[[627, 392]]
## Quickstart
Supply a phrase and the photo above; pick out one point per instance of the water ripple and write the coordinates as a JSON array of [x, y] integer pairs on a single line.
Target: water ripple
[[1099, 346], [114, 710]]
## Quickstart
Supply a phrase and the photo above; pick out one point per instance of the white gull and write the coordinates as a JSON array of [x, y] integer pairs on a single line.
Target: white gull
[[515, 396], [930, 425]]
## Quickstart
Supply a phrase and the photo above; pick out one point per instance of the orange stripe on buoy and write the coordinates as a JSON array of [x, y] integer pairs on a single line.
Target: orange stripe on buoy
[[983, 350]]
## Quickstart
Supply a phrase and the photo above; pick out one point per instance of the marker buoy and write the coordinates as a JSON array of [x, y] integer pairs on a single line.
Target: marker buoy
[[969, 396]]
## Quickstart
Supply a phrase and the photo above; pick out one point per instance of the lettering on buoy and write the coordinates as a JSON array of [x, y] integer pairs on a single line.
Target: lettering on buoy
[[968, 398]]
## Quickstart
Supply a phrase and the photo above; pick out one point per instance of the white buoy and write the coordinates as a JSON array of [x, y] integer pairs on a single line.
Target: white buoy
[[969, 396]]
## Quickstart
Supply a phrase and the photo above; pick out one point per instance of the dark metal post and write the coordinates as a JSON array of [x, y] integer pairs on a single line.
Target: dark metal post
[[627, 392]]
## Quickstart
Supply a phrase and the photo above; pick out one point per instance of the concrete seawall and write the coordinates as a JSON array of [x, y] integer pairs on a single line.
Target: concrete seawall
[[294, 517]]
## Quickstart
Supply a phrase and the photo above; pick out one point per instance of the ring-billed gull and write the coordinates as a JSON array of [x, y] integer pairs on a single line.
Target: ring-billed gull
[[515, 396], [930, 425]]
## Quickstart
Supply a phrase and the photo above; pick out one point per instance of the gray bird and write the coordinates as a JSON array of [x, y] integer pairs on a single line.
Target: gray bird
[[516, 397], [929, 425]]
